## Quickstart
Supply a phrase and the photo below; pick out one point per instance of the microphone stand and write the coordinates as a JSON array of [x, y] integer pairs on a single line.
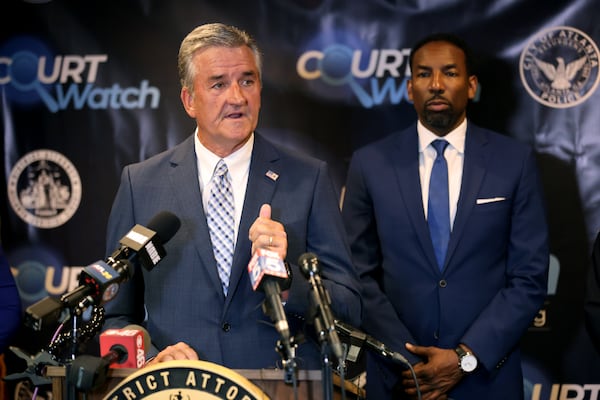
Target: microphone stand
[[75, 313], [326, 369], [286, 346], [288, 359], [76, 303], [61, 343], [70, 387]]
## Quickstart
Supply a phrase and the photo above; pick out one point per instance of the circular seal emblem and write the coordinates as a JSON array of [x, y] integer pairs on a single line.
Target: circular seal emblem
[[559, 67], [186, 380], [44, 189]]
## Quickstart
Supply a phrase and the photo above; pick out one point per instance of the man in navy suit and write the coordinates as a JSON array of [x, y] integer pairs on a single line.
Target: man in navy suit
[[455, 298], [283, 201]]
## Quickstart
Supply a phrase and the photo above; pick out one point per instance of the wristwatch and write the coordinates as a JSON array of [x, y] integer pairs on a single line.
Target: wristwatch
[[467, 362]]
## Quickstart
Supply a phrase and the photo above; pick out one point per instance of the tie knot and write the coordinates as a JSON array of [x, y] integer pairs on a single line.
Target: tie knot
[[221, 168], [439, 146]]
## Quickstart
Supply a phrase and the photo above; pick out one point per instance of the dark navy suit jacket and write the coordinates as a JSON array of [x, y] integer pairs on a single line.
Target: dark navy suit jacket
[[10, 304], [182, 295], [494, 278]]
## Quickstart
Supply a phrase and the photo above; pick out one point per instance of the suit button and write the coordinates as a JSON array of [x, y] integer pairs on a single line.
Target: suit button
[[226, 327], [443, 283]]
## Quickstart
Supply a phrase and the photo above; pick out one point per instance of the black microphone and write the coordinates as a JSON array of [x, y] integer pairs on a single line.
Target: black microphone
[[87, 372], [309, 265], [147, 243], [99, 282], [372, 343], [269, 274]]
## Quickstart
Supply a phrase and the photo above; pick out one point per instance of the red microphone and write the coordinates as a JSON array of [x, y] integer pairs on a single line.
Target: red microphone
[[125, 348]]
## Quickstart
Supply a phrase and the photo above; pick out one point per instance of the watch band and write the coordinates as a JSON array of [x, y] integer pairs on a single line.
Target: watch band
[[461, 353]]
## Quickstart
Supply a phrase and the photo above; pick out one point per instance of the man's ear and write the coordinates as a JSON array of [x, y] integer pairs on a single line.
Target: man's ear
[[187, 99], [473, 84]]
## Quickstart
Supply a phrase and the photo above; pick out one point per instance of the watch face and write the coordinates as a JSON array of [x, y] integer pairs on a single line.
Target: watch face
[[468, 363]]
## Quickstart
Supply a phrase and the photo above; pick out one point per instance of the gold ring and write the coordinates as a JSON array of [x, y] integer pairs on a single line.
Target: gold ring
[[270, 241]]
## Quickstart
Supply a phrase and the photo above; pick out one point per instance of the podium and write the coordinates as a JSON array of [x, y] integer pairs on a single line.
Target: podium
[[207, 377]]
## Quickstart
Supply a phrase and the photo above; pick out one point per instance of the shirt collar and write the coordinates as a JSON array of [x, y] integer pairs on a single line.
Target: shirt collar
[[237, 162], [456, 137]]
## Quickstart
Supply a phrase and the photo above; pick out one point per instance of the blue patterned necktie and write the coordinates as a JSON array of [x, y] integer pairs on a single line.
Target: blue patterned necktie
[[438, 213], [220, 218]]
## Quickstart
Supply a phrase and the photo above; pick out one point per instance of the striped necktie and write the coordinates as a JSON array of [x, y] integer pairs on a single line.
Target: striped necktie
[[220, 219]]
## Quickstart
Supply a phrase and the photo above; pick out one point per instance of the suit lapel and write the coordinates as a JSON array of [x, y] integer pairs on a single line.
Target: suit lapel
[[406, 159], [262, 182], [476, 155], [184, 185]]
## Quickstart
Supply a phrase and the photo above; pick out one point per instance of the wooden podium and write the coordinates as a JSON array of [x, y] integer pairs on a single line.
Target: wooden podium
[[263, 383]]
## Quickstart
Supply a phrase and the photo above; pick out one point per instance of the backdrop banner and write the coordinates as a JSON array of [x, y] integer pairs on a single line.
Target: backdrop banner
[[88, 87]]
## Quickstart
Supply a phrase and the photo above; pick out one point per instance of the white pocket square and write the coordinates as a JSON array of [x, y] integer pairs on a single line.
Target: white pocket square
[[490, 200]]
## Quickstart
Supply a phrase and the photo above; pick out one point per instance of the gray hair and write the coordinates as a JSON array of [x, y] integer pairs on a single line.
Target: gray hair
[[212, 35]]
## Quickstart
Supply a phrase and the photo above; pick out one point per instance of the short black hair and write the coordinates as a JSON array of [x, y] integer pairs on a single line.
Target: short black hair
[[448, 38]]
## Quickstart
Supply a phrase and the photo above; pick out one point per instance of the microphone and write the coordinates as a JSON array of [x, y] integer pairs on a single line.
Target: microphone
[[99, 282], [309, 266], [147, 243], [122, 348], [372, 343], [125, 348], [269, 274]]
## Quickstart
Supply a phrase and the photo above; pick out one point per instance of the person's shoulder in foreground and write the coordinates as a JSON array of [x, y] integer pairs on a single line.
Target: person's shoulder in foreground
[[10, 304]]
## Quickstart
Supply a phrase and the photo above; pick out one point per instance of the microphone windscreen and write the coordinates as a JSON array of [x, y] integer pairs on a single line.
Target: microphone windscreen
[[165, 224], [265, 265], [309, 264], [144, 333]]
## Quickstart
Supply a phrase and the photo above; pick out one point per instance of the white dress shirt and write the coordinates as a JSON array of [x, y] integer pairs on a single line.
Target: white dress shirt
[[454, 154], [238, 164]]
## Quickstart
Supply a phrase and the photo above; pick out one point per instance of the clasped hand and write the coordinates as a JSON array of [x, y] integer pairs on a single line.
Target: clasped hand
[[436, 375]]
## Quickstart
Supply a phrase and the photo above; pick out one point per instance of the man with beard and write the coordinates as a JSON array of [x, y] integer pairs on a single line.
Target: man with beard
[[448, 232]]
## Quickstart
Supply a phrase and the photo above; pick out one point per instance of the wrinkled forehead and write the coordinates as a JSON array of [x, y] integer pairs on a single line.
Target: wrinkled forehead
[[220, 58]]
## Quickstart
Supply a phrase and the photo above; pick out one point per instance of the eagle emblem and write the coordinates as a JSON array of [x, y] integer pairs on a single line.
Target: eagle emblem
[[562, 74]]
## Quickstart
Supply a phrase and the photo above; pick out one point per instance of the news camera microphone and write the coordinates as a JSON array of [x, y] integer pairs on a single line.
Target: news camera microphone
[[121, 348], [269, 274], [99, 282], [147, 243], [309, 266], [125, 348], [372, 343]]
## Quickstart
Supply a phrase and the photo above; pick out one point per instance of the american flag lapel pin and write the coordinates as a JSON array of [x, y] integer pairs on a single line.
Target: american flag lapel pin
[[272, 175]]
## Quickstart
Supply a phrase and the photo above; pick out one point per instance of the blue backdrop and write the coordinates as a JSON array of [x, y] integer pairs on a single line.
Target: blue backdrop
[[88, 87]]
